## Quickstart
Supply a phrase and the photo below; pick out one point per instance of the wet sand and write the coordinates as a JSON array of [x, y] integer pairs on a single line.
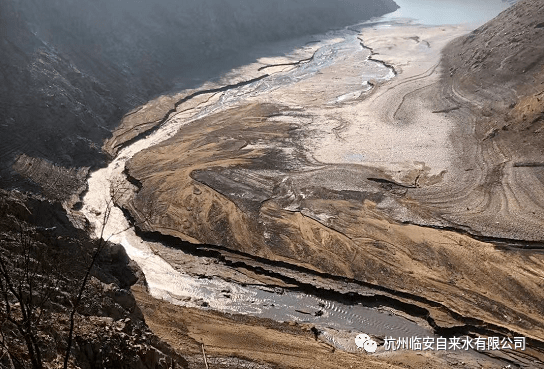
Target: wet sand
[[243, 341]]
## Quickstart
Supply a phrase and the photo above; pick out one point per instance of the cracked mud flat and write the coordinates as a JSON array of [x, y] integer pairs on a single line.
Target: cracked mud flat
[[302, 177]]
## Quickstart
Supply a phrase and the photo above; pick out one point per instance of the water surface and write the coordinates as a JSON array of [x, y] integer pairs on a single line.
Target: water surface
[[437, 12]]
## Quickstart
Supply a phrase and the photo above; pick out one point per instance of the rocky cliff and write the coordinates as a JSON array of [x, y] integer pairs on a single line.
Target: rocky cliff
[[43, 260]]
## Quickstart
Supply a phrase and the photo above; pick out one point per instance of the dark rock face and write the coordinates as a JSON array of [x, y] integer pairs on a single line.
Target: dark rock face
[[110, 331], [70, 69]]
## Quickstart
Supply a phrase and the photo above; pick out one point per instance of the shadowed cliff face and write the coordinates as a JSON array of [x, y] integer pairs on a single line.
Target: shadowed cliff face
[[59, 253], [71, 69]]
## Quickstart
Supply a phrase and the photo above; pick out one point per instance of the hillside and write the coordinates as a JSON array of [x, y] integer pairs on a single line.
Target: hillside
[[43, 260], [499, 68], [70, 69], [493, 85]]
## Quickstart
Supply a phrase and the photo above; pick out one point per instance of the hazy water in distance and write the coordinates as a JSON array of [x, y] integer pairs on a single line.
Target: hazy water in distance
[[437, 12]]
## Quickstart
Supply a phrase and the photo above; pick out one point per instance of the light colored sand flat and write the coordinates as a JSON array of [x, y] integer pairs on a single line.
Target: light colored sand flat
[[392, 128]]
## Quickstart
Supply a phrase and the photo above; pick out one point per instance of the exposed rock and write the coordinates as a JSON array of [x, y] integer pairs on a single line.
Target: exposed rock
[[110, 331], [55, 182]]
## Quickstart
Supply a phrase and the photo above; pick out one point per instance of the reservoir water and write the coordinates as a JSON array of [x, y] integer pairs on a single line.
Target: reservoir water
[[437, 12]]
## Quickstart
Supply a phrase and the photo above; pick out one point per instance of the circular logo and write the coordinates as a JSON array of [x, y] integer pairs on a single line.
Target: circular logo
[[365, 342], [370, 346], [361, 339]]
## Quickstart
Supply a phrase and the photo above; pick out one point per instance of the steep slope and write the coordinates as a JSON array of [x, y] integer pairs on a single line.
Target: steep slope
[[493, 85], [500, 67], [69, 69], [43, 256], [492, 62]]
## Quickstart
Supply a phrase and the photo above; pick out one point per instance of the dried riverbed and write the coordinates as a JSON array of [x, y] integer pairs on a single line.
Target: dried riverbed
[[282, 187], [279, 304]]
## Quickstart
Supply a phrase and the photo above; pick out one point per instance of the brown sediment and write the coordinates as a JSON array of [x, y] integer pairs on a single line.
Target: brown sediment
[[281, 219], [277, 182], [144, 120]]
